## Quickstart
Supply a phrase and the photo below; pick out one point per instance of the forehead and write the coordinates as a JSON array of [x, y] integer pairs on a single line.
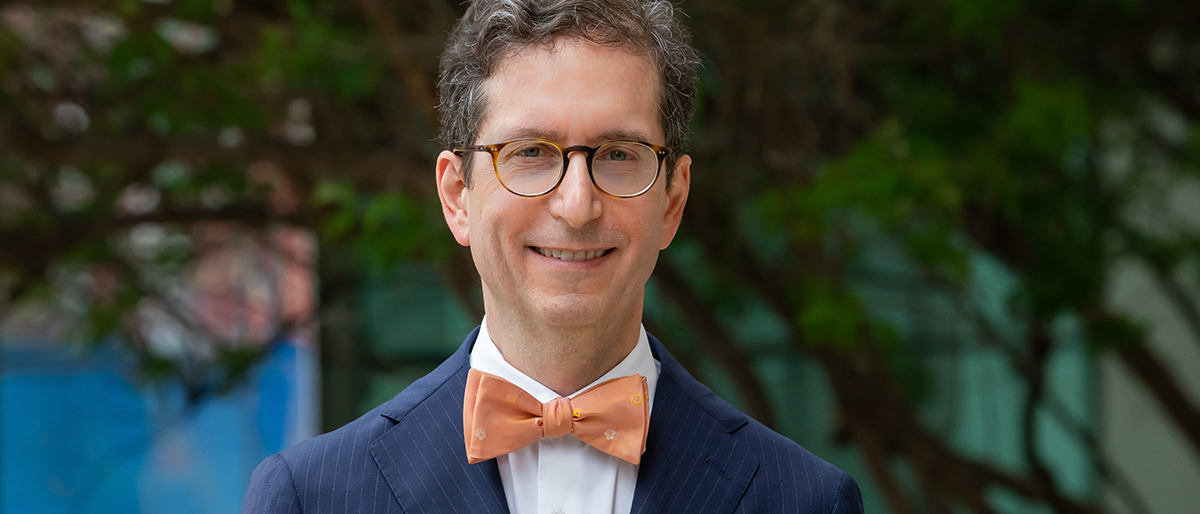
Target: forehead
[[574, 92]]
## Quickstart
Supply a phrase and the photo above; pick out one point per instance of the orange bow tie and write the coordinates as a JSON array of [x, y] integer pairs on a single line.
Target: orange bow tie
[[499, 417]]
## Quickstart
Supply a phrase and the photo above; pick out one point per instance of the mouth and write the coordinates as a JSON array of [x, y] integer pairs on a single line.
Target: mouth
[[571, 255]]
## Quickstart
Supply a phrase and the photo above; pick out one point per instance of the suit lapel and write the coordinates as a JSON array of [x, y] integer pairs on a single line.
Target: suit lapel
[[423, 457], [692, 462]]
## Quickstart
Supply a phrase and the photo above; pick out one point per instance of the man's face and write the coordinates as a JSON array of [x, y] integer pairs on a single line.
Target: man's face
[[573, 93]]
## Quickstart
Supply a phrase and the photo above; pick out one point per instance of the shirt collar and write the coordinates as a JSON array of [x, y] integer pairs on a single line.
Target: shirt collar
[[487, 358]]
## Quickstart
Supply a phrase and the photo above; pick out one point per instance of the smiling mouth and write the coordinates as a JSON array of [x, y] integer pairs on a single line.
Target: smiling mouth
[[572, 256]]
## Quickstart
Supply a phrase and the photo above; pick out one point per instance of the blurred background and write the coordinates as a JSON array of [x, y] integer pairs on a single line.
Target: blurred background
[[951, 246]]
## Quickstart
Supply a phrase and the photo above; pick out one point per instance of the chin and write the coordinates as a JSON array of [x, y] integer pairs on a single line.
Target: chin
[[571, 311]]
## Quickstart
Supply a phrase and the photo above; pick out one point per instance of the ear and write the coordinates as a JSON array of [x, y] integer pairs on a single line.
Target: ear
[[454, 194], [676, 198]]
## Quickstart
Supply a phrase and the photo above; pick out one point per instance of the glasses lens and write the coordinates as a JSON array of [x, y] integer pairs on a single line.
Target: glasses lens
[[624, 168], [529, 167]]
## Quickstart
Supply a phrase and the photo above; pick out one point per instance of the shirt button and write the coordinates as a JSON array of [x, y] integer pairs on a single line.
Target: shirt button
[[559, 512]]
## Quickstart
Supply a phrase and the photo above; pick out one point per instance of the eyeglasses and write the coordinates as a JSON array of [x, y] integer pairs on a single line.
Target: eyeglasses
[[534, 167]]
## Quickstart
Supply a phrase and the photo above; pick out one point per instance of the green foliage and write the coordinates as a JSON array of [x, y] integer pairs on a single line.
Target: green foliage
[[1111, 332], [195, 10], [1030, 132], [1019, 129], [235, 362], [830, 316], [982, 21], [342, 202], [383, 229], [1045, 119], [154, 367], [107, 315], [197, 101], [312, 53]]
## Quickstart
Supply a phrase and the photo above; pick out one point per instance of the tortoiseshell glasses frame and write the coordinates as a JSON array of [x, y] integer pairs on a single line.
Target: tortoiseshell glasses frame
[[526, 167]]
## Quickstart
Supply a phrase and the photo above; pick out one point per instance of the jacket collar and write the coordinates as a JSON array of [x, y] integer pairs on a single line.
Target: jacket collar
[[424, 460], [692, 461], [423, 457]]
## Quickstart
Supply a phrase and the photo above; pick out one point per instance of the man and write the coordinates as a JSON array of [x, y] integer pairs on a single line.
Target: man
[[562, 121]]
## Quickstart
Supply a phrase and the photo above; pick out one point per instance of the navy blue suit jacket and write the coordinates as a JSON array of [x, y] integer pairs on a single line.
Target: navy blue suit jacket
[[408, 456]]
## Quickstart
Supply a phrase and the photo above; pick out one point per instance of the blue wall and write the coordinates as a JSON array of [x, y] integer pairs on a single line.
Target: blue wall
[[82, 436]]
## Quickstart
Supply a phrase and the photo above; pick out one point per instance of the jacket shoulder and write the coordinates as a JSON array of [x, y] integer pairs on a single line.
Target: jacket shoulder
[[789, 478], [322, 474], [336, 470], [790, 475], [342, 443]]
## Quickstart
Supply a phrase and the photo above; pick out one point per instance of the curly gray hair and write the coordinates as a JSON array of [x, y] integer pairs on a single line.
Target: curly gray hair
[[490, 30]]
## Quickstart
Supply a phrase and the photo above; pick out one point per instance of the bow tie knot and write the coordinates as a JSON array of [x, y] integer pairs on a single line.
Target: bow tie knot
[[499, 417], [557, 418]]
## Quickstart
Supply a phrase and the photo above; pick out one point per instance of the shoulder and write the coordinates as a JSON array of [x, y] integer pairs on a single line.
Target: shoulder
[[312, 473], [272, 488], [789, 474], [326, 472], [312, 456], [339, 466], [788, 478]]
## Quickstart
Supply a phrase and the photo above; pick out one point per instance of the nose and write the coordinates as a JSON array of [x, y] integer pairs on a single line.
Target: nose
[[576, 199]]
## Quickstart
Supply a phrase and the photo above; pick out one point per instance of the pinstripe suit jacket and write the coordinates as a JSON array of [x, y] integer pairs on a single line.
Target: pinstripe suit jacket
[[408, 456]]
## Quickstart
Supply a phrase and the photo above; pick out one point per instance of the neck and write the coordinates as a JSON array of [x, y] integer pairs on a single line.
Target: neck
[[563, 358]]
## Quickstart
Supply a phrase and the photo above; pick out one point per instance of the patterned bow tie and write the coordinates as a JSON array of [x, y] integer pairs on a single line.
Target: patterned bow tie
[[499, 417]]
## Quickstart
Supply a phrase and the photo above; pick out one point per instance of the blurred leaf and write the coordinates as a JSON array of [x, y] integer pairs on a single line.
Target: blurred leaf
[[830, 317]]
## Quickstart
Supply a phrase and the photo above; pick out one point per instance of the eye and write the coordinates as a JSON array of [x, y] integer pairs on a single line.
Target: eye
[[530, 152], [617, 155]]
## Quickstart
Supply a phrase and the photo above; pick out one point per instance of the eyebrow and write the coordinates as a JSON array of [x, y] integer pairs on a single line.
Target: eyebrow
[[624, 135], [550, 135]]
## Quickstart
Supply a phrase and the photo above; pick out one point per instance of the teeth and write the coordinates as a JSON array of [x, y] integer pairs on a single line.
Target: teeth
[[568, 255]]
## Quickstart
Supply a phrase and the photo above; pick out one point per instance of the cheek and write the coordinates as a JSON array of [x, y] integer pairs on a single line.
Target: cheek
[[647, 235], [494, 230]]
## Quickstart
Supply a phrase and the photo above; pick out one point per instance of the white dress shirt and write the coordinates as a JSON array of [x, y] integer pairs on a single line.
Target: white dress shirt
[[564, 475]]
